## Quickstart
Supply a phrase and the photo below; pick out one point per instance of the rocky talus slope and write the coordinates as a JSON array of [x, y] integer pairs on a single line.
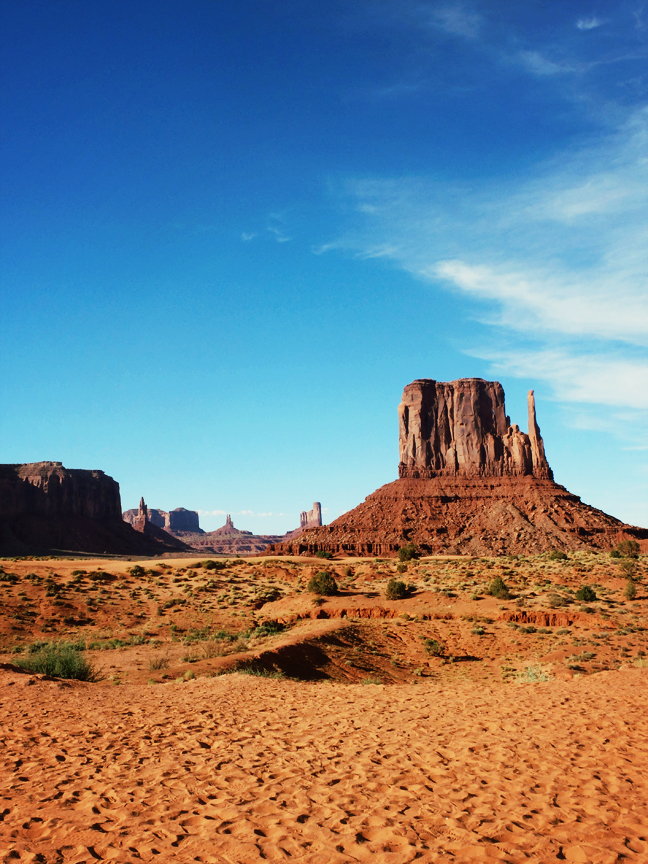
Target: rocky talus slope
[[469, 482]]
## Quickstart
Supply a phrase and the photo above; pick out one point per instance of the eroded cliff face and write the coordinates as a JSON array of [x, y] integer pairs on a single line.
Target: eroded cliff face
[[460, 429], [49, 489]]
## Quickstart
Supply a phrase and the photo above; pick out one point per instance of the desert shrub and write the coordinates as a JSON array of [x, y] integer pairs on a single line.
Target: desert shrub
[[136, 570], [555, 601], [78, 572], [401, 567], [627, 549], [396, 590], [478, 631], [630, 591], [159, 662], [408, 552], [268, 628], [628, 567], [615, 554], [11, 578], [61, 661], [498, 588], [348, 572], [433, 647], [214, 565], [557, 555], [259, 672], [586, 594], [322, 553], [533, 674], [322, 583]]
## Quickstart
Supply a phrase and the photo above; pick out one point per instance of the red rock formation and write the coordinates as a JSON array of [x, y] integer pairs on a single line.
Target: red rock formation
[[177, 522], [470, 483], [45, 507], [311, 518], [461, 430], [228, 540]]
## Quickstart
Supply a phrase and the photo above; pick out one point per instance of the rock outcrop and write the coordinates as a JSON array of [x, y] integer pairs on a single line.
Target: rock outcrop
[[177, 522], [45, 508], [228, 540], [311, 518], [469, 482], [461, 429]]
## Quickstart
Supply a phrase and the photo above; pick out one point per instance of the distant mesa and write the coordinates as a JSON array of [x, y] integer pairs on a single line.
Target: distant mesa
[[470, 482], [177, 522], [46, 508]]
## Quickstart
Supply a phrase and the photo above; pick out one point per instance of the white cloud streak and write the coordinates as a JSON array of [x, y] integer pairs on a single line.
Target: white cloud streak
[[561, 259], [589, 23]]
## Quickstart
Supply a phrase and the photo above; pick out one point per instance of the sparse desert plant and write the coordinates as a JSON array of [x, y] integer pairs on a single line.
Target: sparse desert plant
[[214, 565], [499, 589], [533, 674], [555, 601], [586, 594], [557, 555], [627, 549], [396, 590], [433, 647], [136, 570], [630, 590], [408, 552], [628, 567], [323, 553], [61, 660], [348, 572], [159, 662], [401, 567], [322, 583]]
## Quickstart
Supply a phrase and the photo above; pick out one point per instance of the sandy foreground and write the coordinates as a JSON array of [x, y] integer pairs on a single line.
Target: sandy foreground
[[243, 769]]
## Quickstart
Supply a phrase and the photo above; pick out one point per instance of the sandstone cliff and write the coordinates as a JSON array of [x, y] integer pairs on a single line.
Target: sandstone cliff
[[46, 507], [470, 483], [461, 429]]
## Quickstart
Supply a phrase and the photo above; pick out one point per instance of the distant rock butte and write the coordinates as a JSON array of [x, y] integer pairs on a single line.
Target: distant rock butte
[[46, 507], [177, 522], [228, 540], [469, 482]]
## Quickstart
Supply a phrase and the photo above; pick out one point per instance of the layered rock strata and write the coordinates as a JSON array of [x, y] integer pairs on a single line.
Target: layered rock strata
[[469, 482], [45, 507]]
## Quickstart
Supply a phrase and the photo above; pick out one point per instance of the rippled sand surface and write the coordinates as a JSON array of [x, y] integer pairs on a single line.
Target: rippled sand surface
[[245, 769]]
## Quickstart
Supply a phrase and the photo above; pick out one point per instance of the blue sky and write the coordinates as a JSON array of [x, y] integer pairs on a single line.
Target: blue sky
[[233, 231]]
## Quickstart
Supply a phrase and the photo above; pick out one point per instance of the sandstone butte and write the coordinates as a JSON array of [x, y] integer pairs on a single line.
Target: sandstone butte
[[470, 482], [46, 508]]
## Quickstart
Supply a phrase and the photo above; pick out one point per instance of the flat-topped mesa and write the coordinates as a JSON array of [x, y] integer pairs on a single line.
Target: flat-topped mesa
[[460, 429]]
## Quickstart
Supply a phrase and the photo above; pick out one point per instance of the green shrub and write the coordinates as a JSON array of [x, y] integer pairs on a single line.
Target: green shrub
[[268, 628], [557, 555], [498, 588], [61, 661], [627, 549], [322, 553], [586, 593], [433, 647], [214, 565], [630, 591], [136, 570], [396, 590], [323, 583], [615, 554], [401, 567], [408, 552]]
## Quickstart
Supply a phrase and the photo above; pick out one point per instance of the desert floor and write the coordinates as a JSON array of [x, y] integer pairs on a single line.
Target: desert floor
[[337, 736]]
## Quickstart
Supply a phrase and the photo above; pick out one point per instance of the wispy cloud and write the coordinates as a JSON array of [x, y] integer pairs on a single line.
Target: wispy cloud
[[558, 262], [457, 20], [589, 23], [247, 237], [277, 225]]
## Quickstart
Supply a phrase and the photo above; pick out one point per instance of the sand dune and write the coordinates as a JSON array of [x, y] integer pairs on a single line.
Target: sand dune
[[244, 769]]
